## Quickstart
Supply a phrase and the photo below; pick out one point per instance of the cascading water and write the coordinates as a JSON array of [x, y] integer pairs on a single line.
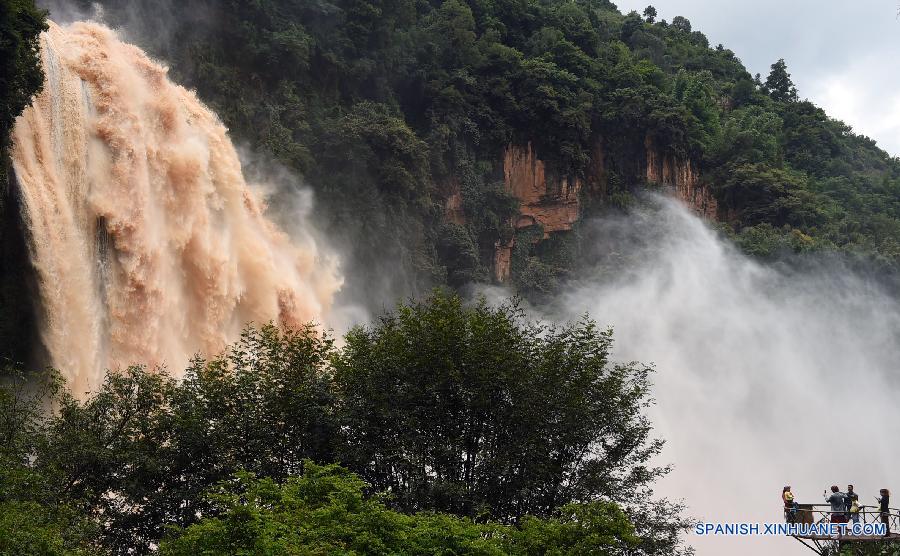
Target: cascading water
[[149, 245]]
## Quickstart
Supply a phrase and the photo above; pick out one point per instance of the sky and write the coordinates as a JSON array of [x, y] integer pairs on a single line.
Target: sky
[[844, 55]]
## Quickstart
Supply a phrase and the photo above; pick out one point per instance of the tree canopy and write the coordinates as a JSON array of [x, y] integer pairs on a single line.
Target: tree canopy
[[779, 84], [326, 511], [20, 71], [454, 423], [21, 77]]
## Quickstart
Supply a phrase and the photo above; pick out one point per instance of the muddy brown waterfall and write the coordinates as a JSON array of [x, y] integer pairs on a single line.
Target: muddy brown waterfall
[[148, 243]]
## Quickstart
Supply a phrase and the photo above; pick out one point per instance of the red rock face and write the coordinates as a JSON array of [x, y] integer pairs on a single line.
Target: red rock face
[[502, 259], [682, 175], [553, 204]]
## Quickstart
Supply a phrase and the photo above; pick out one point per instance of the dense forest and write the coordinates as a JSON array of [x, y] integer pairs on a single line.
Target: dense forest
[[442, 428]]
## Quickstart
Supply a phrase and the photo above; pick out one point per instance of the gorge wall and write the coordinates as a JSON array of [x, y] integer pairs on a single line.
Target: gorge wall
[[680, 174], [19, 328], [552, 202]]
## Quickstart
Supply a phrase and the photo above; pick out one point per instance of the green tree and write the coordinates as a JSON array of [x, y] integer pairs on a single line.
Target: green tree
[[29, 528], [650, 14], [141, 451], [681, 23], [454, 26], [326, 511], [458, 251], [474, 411], [762, 194], [36, 519], [466, 409], [578, 530], [743, 91], [695, 91], [20, 78], [749, 134], [778, 83], [630, 25], [20, 69]]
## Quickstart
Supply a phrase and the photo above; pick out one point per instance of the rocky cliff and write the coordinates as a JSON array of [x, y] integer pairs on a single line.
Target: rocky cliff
[[451, 192], [546, 199], [549, 201], [680, 174], [554, 202]]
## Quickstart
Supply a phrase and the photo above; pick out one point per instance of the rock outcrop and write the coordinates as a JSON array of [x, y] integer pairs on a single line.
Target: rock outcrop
[[554, 201], [503, 259], [548, 201], [681, 174], [545, 199], [453, 202]]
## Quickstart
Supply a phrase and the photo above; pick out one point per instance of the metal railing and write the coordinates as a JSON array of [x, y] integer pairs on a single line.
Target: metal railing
[[821, 513], [829, 545]]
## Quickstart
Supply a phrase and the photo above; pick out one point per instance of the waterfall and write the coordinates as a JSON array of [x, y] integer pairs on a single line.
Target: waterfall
[[149, 244]]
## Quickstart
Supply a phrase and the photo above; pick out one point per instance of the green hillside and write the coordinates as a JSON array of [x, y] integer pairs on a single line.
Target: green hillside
[[381, 104]]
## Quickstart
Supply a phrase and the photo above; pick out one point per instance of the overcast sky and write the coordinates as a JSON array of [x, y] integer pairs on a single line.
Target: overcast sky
[[844, 55]]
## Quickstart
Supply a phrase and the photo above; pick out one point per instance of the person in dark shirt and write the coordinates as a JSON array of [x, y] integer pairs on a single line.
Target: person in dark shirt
[[838, 501], [884, 508]]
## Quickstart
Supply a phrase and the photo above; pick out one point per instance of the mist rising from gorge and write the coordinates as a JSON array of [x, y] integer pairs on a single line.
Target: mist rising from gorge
[[765, 376]]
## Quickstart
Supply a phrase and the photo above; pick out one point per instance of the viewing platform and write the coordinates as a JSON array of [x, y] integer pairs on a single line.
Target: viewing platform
[[827, 545]]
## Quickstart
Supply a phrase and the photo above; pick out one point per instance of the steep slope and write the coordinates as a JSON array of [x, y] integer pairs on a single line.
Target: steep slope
[[426, 94], [404, 117]]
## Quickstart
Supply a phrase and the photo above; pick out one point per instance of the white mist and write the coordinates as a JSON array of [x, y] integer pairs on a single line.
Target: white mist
[[764, 377]]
